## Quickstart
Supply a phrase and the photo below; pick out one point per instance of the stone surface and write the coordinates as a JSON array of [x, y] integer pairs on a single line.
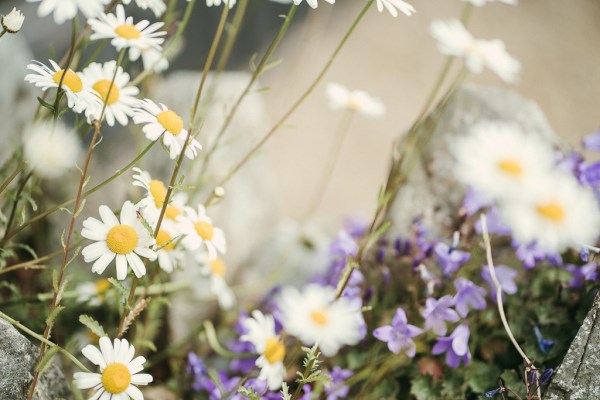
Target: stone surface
[[18, 357], [577, 377]]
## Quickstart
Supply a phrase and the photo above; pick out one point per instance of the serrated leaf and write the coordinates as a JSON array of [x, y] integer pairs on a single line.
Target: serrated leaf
[[55, 279], [118, 285], [45, 104], [61, 290], [44, 362], [53, 314], [92, 325]]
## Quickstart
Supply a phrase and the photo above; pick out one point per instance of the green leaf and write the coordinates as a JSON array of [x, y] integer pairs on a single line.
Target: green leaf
[[46, 104], [53, 314], [424, 388], [92, 325], [145, 344], [44, 362], [482, 377]]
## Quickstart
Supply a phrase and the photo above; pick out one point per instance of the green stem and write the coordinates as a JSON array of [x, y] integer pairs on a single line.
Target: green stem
[[59, 91], [43, 340], [257, 72], [295, 106], [232, 33], [3, 32], [12, 176], [13, 211]]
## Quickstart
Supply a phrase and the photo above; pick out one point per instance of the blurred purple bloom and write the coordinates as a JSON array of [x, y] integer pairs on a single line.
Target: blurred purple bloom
[[468, 295], [241, 365], [474, 201], [588, 272], [449, 258], [531, 254], [545, 345], [506, 276], [491, 393], [260, 386], [592, 141], [456, 346], [230, 385], [546, 375], [584, 254], [343, 245], [494, 221], [197, 369], [399, 335], [337, 389], [437, 312]]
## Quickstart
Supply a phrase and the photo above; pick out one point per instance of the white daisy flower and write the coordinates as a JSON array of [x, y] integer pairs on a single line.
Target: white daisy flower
[[394, 5], [160, 121], [340, 97], [313, 317], [156, 192], [313, 3], [211, 3], [154, 59], [499, 160], [80, 97], [50, 149], [66, 10], [261, 333], [119, 371], [169, 253], [215, 271], [454, 40], [198, 229], [481, 3], [13, 21], [124, 240], [92, 293], [555, 212], [158, 7], [125, 34], [120, 103]]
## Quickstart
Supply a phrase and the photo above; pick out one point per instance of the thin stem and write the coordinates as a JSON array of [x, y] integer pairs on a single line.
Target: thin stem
[[232, 33], [3, 32], [295, 106], [134, 284], [31, 264], [12, 176], [13, 211], [334, 154], [44, 340], [59, 90], [257, 72]]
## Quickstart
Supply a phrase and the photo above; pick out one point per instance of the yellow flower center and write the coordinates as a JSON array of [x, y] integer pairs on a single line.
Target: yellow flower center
[[158, 192], [164, 240], [116, 378], [128, 31], [102, 285], [122, 239], [172, 212], [204, 229], [353, 104], [274, 351], [170, 121], [552, 211], [102, 88], [511, 167], [218, 267], [319, 317], [71, 80]]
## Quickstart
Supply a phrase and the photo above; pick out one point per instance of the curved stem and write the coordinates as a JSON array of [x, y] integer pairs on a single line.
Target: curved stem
[[12, 176], [295, 106], [13, 211]]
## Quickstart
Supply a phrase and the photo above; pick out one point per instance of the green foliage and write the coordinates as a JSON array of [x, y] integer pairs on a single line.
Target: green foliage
[[249, 393], [423, 387], [482, 376], [92, 325]]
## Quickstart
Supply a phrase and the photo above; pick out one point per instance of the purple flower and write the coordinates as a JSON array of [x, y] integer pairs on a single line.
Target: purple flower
[[531, 254], [241, 365], [399, 335], [437, 312], [337, 389], [506, 276], [474, 201], [584, 254], [456, 346], [449, 258], [592, 141], [588, 272], [468, 295], [495, 223]]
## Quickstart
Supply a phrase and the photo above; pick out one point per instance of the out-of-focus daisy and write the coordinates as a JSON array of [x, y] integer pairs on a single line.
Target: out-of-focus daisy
[[154, 59], [156, 192], [119, 105], [211, 3], [313, 317], [481, 3], [261, 333], [119, 371], [198, 229], [92, 293], [169, 254], [158, 7], [454, 40], [312, 3], [80, 97], [50, 149], [65, 10], [124, 240], [394, 5], [125, 34], [555, 212], [160, 121], [499, 160], [215, 271], [13, 21], [340, 97]]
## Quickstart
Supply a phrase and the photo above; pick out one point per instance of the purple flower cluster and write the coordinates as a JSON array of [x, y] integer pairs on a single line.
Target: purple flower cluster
[[399, 335], [456, 346]]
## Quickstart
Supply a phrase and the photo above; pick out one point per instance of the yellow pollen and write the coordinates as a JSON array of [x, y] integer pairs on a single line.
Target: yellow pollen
[[116, 378], [170, 121], [71, 80], [102, 88], [511, 167], [128, 31], [162, 239], [218, 267], [158, 191], [274, 351], [122, 239], [172, 212], [319, 317], [353, 104], [552, 211], [102, 285], [204, 229]]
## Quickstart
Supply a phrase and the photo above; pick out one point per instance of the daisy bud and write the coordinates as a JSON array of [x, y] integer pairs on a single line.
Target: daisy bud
[[13, 21]]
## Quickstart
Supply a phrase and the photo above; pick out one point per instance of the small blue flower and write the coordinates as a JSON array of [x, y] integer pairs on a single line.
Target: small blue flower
[[492, 393], [545, 345], [546, 375]]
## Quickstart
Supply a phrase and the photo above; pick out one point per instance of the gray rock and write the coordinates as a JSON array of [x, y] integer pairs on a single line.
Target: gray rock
[[18, 358], [577, 377], [431, 191]]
